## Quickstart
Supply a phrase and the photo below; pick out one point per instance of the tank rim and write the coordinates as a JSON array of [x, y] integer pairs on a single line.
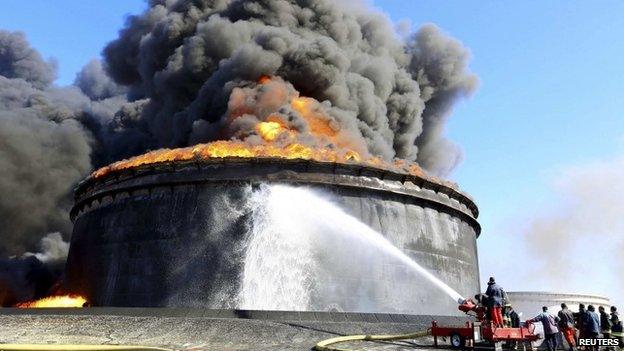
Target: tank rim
[[354, 169]]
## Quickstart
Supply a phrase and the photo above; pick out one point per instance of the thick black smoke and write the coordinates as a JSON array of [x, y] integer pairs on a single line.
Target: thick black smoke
[[166, 82], [19, 60], [33, 275], [96, 84], [47, 137], [185, 58]]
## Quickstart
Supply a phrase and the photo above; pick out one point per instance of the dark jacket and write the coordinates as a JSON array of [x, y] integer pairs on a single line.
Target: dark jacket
[[495, 294], [605, 322], [566, 318], [615, 317], [579, 318], [515, 319], [617, 324], [548, 321], [591, 322]]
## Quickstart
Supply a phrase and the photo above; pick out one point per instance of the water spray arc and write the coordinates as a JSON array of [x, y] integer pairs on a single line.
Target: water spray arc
[[294, 224]]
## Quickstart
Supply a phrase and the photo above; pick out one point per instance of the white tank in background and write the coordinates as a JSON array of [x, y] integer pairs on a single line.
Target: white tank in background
[[530, 303]]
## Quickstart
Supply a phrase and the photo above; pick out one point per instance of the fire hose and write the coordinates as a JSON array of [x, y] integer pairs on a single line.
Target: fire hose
[[324, 345], [76, 347]]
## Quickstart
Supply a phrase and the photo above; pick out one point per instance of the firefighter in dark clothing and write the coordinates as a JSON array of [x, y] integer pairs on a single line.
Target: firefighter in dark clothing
[[515, 318], [495, 294], [591, 325], [579, 319], [605, 323], [616, 330], [512, 316], [514, 322], [482, 307], [616, 326]]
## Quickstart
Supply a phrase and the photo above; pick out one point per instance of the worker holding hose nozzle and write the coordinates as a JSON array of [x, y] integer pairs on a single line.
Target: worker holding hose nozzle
[[605, 323], [550, 328], [495, 296]]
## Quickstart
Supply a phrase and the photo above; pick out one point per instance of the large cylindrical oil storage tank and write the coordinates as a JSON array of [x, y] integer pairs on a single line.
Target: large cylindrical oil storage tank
[[176, 234]]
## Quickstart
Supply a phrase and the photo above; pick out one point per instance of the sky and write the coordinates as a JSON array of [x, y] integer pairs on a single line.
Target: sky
[[543, 136]]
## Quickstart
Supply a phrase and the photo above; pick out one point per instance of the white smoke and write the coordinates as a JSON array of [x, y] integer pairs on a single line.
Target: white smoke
[[53, 249], [578, 244]]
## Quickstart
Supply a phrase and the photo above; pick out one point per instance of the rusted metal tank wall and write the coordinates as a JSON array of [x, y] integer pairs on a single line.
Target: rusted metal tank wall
[[173, 235]]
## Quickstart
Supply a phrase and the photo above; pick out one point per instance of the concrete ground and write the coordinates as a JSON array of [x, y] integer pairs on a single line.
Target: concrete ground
[[198, 329]]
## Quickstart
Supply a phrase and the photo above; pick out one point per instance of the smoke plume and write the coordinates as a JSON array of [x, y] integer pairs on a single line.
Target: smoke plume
[[179, 71], [19, 60], [185, 58], [578, 244], [33, 275], [46, 147]]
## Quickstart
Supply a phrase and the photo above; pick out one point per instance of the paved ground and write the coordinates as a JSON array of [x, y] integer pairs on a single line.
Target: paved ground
[[206, 329]]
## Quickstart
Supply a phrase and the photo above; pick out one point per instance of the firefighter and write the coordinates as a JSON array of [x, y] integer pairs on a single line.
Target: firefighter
[[506, 317], [482, 308], [550, 328], [616, 329], [579, 318], [591, 325], [566, 325], [495, 296], [605, 323], [514, 322], [514, 318]]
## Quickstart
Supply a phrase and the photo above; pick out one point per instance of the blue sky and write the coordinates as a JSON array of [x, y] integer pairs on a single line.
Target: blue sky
[[550, 99]]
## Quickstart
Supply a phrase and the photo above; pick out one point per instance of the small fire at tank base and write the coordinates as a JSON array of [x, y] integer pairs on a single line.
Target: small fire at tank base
[[63, 301]]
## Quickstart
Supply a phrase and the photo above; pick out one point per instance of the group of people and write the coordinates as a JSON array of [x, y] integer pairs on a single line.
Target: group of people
[[584, 324]]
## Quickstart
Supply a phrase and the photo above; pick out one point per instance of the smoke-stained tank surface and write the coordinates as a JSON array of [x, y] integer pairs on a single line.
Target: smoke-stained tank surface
[[179, 234]]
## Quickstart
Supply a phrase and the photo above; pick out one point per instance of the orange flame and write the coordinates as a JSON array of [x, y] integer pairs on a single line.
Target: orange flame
[[55, 301], [269, 131], [222, 149], [264, 79], [321, 139]]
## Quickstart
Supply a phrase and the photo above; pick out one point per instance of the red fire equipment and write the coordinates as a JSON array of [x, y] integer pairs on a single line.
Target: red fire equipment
[[482, 330]]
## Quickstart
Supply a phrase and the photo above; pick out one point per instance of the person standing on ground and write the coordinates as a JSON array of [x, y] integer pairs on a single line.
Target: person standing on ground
[[495, 296], [550, 328], [605, 323], [617, 332], [566, 324], [579, 318], [591, 325], [616, 326]]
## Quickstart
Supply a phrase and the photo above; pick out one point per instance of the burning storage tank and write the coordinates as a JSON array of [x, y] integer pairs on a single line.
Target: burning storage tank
[[178, 234]]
